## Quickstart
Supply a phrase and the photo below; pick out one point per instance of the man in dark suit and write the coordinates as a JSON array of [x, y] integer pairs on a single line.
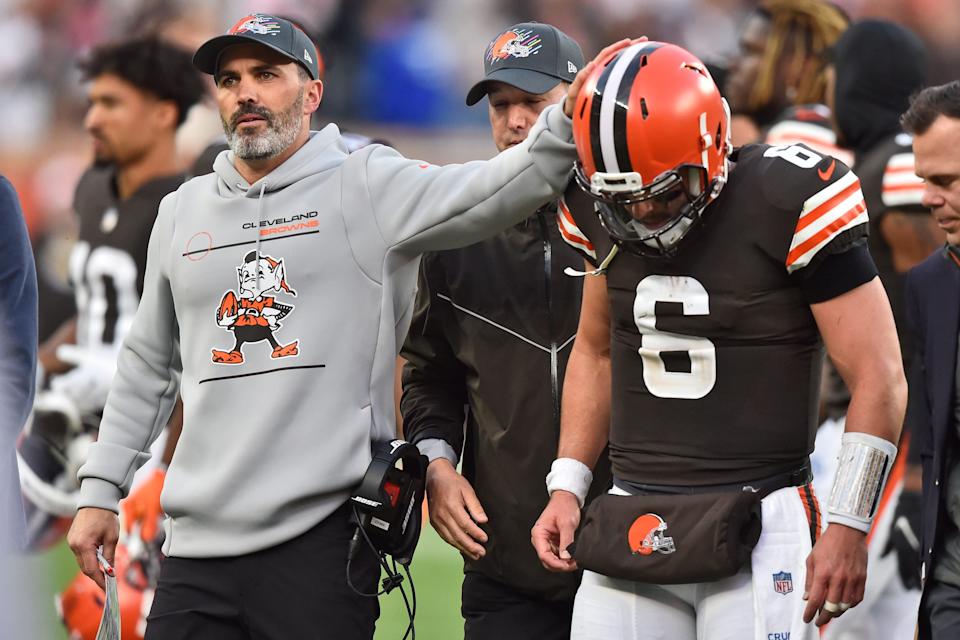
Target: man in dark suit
[[933, 313]]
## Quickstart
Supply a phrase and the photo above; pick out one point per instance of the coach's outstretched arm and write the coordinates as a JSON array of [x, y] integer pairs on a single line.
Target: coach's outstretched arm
[[860, 336], [419, 207], [584, 429]]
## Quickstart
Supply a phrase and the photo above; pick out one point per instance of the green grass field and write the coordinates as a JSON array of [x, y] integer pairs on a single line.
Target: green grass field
[[437, 571]]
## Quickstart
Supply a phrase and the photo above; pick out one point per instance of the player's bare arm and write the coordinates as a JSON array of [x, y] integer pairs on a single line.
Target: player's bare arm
[[860, 336], [585, 419]]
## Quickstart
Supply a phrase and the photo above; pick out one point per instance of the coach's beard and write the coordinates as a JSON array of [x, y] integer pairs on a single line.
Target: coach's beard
[[280, 132]]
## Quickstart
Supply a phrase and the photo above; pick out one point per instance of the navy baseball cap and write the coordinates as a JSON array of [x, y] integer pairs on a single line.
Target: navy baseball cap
[[281, 35], [531, 56]]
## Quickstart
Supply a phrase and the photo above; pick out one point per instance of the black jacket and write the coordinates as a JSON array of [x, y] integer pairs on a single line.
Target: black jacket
[[493, 327]]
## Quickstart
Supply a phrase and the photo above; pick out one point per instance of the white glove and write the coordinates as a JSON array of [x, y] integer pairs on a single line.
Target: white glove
[[89, 382]]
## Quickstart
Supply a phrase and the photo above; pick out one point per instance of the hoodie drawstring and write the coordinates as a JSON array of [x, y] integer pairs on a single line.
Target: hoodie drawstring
[[263, 186]]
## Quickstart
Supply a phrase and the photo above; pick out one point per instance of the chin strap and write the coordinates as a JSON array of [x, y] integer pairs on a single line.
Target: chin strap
[[599, 271]]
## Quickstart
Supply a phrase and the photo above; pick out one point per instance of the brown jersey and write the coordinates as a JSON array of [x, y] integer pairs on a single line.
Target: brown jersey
[[107, 263], [715, 353]]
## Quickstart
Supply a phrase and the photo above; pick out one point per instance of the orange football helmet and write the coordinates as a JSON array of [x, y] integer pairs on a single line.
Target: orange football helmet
[[653, 136], [81, 604], [648, 534]]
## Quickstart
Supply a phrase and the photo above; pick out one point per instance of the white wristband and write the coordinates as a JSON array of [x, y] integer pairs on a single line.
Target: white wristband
[[864, 464], [568, 474]]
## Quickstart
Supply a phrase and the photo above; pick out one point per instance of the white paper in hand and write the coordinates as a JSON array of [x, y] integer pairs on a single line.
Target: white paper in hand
[[110, 622]]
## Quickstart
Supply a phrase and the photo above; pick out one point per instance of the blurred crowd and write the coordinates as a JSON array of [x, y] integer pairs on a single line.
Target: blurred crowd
[[395, 68]]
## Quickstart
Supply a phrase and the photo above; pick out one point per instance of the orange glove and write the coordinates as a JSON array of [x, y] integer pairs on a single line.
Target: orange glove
[[142, 506]]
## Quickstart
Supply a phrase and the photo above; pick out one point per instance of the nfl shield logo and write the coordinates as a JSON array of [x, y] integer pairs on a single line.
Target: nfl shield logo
[[783, 582]]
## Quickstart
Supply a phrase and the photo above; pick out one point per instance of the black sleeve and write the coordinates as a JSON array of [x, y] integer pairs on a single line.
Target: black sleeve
[[918, 405], [836, 273], [434, 380]]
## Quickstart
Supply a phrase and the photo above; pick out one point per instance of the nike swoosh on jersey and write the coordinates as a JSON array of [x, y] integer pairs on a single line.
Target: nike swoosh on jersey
[[826, 175]]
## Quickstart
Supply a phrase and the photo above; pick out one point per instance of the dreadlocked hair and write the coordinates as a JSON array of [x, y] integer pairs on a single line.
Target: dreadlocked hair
[[800, 29]]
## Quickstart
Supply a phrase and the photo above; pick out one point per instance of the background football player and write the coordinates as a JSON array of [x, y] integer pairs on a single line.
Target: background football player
[[876, 66], [140, 92], [699, 350], [777, 83]]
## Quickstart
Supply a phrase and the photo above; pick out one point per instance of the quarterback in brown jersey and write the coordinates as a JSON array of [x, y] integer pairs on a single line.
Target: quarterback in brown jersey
[[715, 278]]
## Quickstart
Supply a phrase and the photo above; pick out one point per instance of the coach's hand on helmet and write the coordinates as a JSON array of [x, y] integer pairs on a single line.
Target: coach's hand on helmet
[[92, 528], [582, 75], [836, 573], [455, 511], [554, 529]]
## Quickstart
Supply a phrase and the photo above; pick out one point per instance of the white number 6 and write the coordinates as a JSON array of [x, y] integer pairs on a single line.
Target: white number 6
[[687, 291]]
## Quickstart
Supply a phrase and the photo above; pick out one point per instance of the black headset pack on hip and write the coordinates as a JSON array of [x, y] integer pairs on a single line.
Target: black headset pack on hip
[[387, 506]]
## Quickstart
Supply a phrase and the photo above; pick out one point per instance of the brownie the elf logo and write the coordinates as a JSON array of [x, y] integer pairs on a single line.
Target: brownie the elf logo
[[252, 315]]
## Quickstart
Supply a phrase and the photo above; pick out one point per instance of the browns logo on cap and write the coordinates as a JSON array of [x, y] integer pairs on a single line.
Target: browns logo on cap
[[531, 56], [278, 34]]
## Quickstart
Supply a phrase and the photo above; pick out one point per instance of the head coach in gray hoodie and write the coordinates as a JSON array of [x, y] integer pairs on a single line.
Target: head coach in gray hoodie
[[277, 291]]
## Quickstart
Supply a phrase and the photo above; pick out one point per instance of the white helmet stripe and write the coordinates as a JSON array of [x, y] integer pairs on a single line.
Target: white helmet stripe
[[705, 141], [609, 103]]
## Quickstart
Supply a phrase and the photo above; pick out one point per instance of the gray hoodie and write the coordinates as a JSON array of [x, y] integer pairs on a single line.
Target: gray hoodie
[[282, 305]]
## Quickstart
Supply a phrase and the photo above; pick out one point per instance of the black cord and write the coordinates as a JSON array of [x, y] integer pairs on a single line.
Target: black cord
[[380, 557], [393, 579], [357, 591], [411, 629], [406, 604]]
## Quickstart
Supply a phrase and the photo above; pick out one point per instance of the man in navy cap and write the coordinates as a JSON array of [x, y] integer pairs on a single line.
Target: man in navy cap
[[277, 292], [502, 351]]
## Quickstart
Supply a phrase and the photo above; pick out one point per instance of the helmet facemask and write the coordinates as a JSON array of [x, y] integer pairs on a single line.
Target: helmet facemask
[[650, 220]]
